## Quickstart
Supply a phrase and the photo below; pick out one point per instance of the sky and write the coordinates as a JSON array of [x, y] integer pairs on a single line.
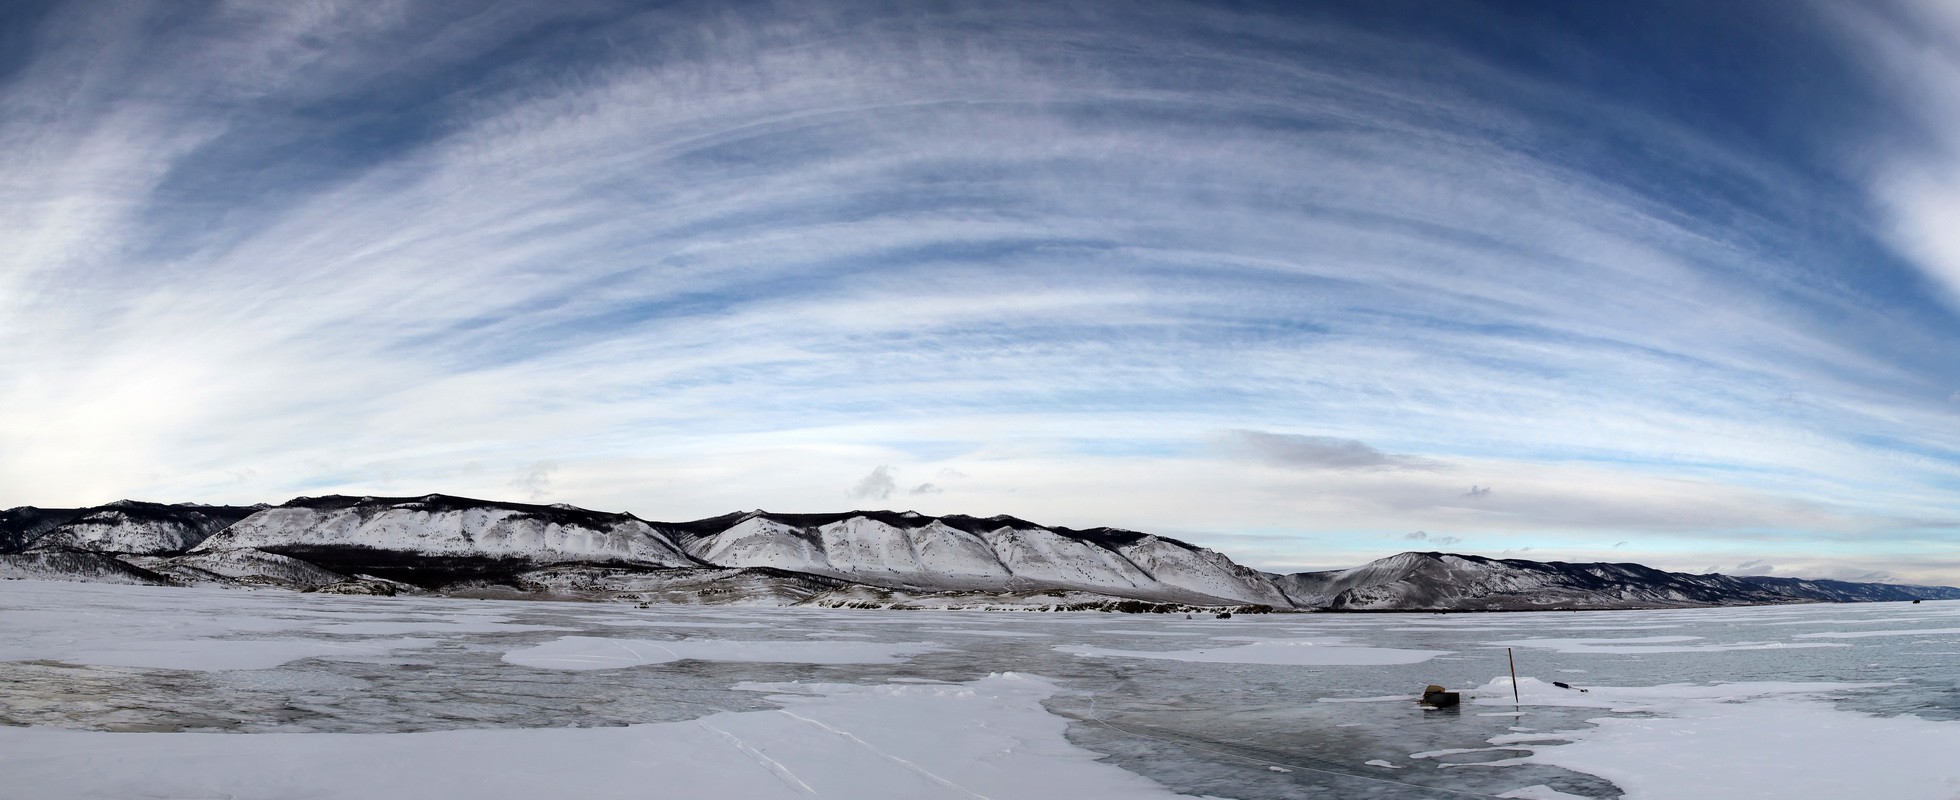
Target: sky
[[1308, 283]]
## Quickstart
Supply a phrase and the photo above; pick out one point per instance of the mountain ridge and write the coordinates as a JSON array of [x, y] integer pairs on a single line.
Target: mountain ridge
[[453, 544], [1436, 581]]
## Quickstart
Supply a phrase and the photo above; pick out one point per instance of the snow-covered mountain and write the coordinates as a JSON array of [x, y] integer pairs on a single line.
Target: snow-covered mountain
[[56, 564], [955, 553], [129, 526], [20, 526], [436, 538], [1447, 582], [858, 558]]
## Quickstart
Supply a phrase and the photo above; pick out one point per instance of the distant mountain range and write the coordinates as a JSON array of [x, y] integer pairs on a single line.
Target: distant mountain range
[[460, 546]]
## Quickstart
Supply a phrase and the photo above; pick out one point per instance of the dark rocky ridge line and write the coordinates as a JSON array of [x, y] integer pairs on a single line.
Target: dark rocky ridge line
[[1105, 536], [559, 513], [857, 559]]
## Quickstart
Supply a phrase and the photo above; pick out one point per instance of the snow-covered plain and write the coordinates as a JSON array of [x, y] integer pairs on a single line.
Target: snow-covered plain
[[128, 691]]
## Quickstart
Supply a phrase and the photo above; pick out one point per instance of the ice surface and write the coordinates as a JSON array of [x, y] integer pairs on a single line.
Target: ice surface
[[230, 654], [985, 738], [1296, 652], [1536, 692], [1868, 634], [1451, 628], [1121, 632], [974, 632], [1652, 644], [141, 638], [275, 694], [1539, 792], [593, 652], [1758, 739], [460, 626]]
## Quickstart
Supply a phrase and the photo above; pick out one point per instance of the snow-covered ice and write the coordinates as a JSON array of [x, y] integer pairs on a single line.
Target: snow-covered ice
[[985, 738], [1742, 740], [1538, 792], [1868, 634], [119, 691]]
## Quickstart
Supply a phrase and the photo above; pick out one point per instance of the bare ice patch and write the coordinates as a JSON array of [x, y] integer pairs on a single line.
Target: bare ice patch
[[1298, 652], [592, 652], [978, 632], [224, 654], [464, 626]]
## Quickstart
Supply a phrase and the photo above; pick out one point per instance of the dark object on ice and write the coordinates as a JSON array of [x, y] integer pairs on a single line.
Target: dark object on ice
[[1564, 685], [1915, 601], [1437, 697], [1512, 659], [1187, 616], [1224, 615]]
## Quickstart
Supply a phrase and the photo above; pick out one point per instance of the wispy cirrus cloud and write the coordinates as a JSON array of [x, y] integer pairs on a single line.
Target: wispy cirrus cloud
[[1302, 451], [711, 257]]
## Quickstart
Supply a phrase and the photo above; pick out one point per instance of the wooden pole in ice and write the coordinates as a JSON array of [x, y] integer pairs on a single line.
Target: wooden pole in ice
[[1514, 676]]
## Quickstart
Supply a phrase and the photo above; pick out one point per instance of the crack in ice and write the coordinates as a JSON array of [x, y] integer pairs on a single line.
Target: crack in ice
[[775, 767], [922, 771]]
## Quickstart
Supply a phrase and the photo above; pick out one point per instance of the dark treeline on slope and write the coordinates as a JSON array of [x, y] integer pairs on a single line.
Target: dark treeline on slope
[[466, 547]]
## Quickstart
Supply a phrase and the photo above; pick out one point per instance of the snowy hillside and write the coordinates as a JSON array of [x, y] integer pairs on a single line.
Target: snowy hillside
[[19, 527], [241, 566], [859, 558], [73, 565], [129, 526], [956, 553], [442, 535], [1446, 582]]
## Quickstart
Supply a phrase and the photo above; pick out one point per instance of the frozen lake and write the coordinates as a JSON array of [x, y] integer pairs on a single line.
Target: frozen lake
[[119, 691]]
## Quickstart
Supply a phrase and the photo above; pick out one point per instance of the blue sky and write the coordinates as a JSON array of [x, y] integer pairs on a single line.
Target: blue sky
[[1666, 282]]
